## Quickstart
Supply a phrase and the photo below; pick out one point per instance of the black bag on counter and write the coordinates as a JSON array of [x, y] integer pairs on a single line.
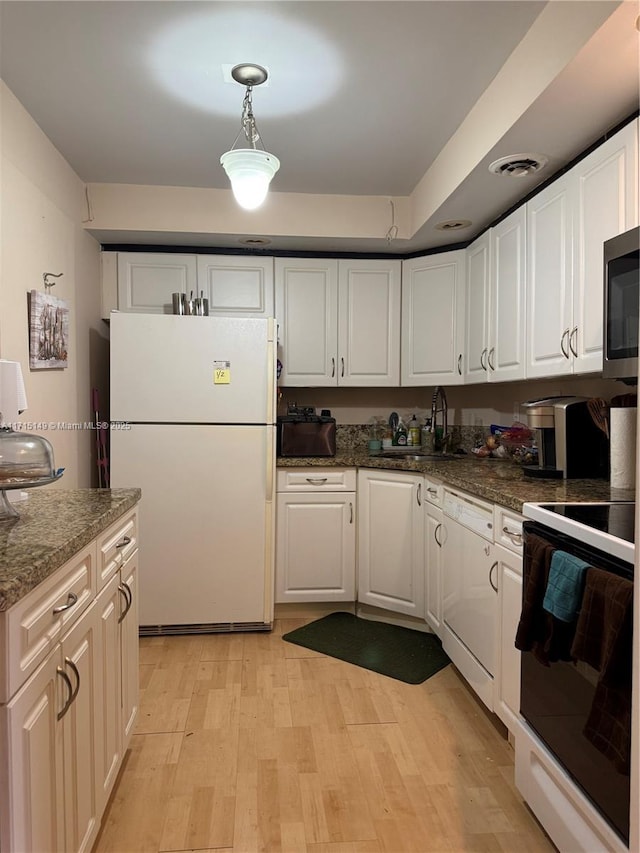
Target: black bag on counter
[[303, 433]]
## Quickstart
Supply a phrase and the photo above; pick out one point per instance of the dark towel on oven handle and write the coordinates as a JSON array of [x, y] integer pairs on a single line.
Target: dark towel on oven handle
[[538, 631], [603, 639]]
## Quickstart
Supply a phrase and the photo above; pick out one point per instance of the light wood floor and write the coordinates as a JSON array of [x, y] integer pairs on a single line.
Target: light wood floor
[[247, 743]]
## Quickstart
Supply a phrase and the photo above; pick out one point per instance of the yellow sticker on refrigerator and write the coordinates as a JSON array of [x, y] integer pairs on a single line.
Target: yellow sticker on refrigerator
[[221, 372]]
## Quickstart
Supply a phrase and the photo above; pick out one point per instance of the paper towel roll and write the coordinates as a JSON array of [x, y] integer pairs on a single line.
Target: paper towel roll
[[623, 447], [13, 398]]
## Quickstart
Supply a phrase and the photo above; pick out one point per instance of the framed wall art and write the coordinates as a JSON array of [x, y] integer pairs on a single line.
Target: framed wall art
[[48, 331]]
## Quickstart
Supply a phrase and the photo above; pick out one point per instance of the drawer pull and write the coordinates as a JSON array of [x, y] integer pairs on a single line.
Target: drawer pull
[[72, 599], [63, 675], [432, 491], [126, 540], [516, 538], [316, 481]]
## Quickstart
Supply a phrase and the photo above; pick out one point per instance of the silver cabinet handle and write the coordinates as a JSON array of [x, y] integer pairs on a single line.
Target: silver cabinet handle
[[68, 662], [419, 494], [350, 513], [432, 491], [126, 540], [483, 356], [63, 675], [516, 538], [460, 364], [565, 334], [125, 592], [316, 481], [333, 368], [72, 599], [491, 364], [342, 363], [494, 566], [130, 596], [574, 332], [435, 535]]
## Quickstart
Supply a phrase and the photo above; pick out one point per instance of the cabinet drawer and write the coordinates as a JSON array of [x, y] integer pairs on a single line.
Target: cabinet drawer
[[508, 528], [433, 491], [115, 545], [32, 626], [316, 480]]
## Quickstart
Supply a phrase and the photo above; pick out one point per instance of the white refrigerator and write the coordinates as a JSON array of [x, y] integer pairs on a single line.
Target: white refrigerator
[[193, 425]]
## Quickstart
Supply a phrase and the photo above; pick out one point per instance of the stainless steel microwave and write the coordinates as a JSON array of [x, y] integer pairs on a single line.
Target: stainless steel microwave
[[621, 315]]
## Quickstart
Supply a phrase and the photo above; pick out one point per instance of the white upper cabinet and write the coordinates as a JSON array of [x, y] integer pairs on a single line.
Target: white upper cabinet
[[147, 280], [478, 300], [567, 224], [606, 195], [143, 282], [237, 285], [433, 291], [338, 321], [369, 322], [506, 352]]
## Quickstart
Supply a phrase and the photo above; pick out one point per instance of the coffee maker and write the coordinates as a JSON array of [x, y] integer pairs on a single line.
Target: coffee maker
[[569, 443]]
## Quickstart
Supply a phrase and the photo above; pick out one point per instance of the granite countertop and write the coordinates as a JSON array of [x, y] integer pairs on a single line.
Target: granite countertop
[[497, 480], [53, 526]]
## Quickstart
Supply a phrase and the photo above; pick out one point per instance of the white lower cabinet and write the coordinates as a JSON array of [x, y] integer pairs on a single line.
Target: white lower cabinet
[[316, 535], [391, 541], [506, 702], [65, 726], [434, 533]]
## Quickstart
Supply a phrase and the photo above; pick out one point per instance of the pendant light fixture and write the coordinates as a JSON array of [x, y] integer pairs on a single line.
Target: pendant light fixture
[[249, 169]]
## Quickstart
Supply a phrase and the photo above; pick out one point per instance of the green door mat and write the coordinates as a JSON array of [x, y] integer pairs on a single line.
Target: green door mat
[[410, 656]]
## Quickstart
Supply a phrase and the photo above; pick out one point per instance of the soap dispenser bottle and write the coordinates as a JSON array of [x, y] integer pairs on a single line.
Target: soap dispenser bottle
[[413, 438], [401, 434]]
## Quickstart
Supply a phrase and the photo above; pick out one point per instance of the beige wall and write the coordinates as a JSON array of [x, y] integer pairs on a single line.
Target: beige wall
[[470, 405], [42, 207]]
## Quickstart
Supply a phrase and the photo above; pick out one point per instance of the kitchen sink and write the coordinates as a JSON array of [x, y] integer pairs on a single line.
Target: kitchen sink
[[417, 457]]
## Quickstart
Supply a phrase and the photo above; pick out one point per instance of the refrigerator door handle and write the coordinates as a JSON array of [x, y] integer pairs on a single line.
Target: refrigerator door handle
[[271, 382], [271, 462]]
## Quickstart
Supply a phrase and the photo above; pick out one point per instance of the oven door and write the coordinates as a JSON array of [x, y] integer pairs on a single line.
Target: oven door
[[556, 701]]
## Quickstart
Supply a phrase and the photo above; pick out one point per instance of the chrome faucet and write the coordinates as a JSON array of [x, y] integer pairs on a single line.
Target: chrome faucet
[[439, 405]]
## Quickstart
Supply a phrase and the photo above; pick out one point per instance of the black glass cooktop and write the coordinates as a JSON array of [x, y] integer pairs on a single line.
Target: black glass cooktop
[[617, 519]]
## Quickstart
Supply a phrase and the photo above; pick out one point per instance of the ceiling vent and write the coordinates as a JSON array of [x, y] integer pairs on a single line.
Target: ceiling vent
[[453, 225], [519, 165]]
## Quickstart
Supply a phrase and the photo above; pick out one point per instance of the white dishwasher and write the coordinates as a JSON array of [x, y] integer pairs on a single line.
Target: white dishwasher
[[470, 603]]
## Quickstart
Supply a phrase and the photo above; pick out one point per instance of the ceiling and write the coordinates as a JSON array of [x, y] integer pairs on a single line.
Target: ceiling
[[361, 100]]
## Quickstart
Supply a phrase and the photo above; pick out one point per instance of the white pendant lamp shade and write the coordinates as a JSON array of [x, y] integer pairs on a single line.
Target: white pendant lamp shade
[[250, 171]]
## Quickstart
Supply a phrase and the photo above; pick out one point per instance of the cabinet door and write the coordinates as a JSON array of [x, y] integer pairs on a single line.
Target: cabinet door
[[307, 314], [129, 647], [549, 267], [81, 732], [109, 749], [315, 547], [32, 803], [369, 323], [606, 205], [507, 681], [433, 319], [237, 285], [391, 541], [477, 310], [434, 539], [147, 280], [506, 356]]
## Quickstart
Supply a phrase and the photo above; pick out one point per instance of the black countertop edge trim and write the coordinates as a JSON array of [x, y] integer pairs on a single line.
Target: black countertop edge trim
[[402, 256]]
